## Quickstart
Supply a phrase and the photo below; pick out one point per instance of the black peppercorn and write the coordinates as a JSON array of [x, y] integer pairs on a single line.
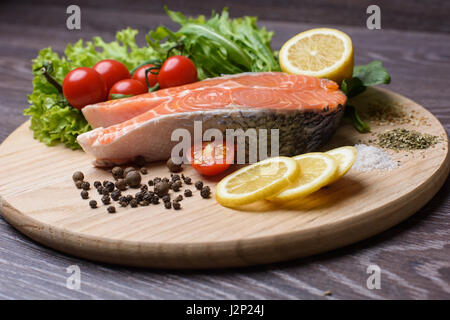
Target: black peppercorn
[[156, 180], [148, 196], [115, 195], [84, 194], [144, 203], [129, 197], [176, 205], [110, 187], [117, 172], [105, 182], [97, 184], [177, 185], [187, 180], [175, 177], [78, 176], [166, 198], [85, 185], [127, 170], [79, 184], [112, 209], [105, 192], [100, 190], [165, 179], [144, 187], [199, 185], [187, 193], [144, 170], [134, 203], [139, 196], [161, 189], [172, 166], [133, 179], [106, 200], [93, 204], [205, 192], [167, 205], [121, 184], [179, 198], [155, 199], [150, 183]]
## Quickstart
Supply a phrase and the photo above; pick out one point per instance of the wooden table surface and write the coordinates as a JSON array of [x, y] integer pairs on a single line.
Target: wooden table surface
[[414, 257]]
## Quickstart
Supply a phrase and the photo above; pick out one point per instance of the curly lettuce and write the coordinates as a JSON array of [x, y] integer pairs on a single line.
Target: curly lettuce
[[52, 119]]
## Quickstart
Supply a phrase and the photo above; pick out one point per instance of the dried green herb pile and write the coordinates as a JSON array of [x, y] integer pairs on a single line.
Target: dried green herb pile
[[402, 139]]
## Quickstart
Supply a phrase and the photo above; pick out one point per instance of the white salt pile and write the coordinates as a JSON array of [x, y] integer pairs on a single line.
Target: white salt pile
[[370, 158]]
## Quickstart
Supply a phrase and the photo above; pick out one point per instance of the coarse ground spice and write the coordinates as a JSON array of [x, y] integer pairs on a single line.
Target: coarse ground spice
[[402, 139]]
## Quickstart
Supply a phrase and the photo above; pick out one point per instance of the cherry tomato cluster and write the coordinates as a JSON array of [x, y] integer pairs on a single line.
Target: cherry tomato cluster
[[110, 79]]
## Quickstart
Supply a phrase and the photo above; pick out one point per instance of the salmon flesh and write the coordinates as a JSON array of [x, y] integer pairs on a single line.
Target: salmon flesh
[[306, 110]]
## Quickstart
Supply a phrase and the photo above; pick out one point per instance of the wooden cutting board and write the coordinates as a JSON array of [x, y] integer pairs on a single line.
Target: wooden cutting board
[[39, 199]]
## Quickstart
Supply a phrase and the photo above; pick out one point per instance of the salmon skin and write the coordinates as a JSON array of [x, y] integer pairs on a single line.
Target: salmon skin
[[306, 110]]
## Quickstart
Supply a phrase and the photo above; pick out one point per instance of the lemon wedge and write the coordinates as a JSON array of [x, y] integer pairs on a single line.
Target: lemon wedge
[[345, 158], [323, 53], [317, 170], [257, 181]]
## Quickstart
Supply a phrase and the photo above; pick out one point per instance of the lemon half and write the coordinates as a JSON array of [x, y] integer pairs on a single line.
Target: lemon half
[[323, 53], [317, 170], [257, 181]]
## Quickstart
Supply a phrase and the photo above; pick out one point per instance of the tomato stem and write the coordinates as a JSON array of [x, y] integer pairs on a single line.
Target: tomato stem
[[45, 70], [156, 62], [178, 46]]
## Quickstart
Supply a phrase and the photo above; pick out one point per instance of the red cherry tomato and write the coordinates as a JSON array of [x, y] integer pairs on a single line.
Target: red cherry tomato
[[211, 158], [111, 71], [83, 86], [139, 75], [177, 71], [127, 87]]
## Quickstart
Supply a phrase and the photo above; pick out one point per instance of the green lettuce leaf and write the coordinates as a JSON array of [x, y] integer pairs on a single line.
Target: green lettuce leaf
[[52, 119]]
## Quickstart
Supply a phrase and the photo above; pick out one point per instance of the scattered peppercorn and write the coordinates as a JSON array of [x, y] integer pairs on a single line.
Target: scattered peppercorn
[[129, 197], [78, 176], [93, 204], [170, 183], [166, 198], [176, 205], [115, 195], [86, 185], [167, 205], [150, 183], [156, 180], [173, 167], [105, 182], [109, 186], [175, 177], [133, 179], [78, 184], [144, 170], [148, 196], [186, 180], [134, 203], [105, 192], [97, 184], [199, 185], [112, 209], [117, 172], [123, 203], [100, 190], [177, 185], [155, 199], [205, 192], [127, 170], [84, 194], [121, 184], [106, 200], [165, 179], [187, 193], [144, 187], [144, 203], [161, 189], [139, 196], [179, 198]]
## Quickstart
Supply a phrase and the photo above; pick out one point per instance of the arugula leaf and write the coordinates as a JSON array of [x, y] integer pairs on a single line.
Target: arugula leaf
[[352, 87]]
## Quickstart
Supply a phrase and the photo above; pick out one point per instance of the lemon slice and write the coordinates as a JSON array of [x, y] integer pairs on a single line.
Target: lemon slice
[[317, 170], [257, 181], [323, 53], [345, 158]]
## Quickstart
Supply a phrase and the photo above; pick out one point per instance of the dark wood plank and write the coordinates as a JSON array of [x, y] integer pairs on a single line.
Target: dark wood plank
[[413, 256]]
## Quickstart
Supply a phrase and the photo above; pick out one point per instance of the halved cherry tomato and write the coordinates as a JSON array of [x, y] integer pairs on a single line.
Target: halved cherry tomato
[[139, 75], [83, 86], [112, 71], [177, 71], [211, 158], [126, 88]]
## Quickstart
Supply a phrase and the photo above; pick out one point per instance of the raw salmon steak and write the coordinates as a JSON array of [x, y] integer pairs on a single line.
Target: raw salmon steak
[[305, 110]]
